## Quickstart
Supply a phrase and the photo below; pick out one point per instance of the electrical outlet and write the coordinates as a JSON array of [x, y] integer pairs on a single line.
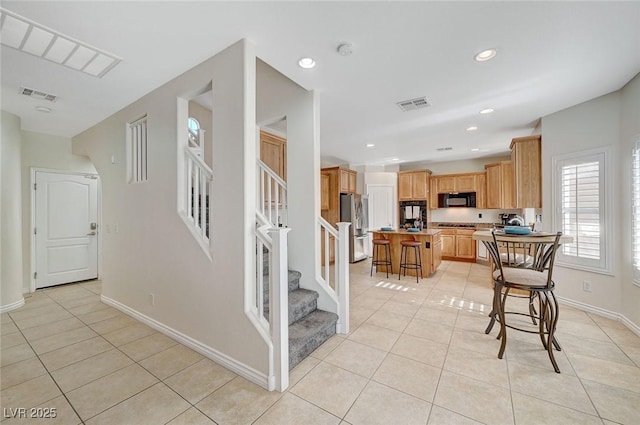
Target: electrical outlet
[[152, 298], [586, 286]]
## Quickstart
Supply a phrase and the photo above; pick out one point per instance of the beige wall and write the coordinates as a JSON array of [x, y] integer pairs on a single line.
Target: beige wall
[[49, 152], [10, 214], [608, 121], [154, 252]]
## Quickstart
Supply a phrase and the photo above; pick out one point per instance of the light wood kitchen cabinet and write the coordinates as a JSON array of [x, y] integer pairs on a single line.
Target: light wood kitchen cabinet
[[446, 184], [436, 251], [458, 244], [481, 191], [465, 182], [433, 192], [448, 237], [273, 152], [499, 185], [413, 185], [465, 245], [337, 180], [526, 160], [324, 191], [347, 181]]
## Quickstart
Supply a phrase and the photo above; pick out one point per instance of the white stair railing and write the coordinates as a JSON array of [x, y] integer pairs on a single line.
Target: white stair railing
[[198, 195], [272, 195], [273, 240], [332, 268]]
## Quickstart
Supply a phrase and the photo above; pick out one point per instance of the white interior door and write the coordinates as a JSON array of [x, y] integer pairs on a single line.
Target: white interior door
[[381, 207], [66, 218]]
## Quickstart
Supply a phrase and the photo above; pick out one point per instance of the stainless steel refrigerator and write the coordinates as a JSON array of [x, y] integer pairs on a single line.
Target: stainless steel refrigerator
[[354, 209]]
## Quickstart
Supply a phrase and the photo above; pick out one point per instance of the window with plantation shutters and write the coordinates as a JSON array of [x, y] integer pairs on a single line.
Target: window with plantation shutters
[[137, 150], [635, 211], [581, 209]]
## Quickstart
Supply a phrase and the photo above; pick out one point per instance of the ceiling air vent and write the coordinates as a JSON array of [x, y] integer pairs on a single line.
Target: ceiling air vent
[[40, 95], [413, 104], [448, 148]]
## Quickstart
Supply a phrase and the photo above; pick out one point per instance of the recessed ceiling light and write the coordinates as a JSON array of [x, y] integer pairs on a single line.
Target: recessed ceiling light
[[485, 55], [370, 145], [475, 149], [43, 109], [307, 63], [487, 111], [472, 128]]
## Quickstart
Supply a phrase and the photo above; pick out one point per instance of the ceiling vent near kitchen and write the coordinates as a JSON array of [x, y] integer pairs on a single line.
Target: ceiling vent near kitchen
[[448, 148], [413, 104], [37, 94]]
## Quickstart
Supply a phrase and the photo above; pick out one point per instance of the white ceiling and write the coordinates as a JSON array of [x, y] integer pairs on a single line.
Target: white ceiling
[[551, 55]]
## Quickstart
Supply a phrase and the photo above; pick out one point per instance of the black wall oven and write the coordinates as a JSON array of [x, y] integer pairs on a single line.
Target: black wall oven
[[457, 200]]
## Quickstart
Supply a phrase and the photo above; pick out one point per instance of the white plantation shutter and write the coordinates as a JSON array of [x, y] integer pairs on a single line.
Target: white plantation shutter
[[581, 209], [137, 150], [635, 212]]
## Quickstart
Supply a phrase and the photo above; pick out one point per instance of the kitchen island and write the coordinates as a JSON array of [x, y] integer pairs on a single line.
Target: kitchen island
[[430, 248]]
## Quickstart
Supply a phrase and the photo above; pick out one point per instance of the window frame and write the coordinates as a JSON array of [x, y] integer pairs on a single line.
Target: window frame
[[635, 202], [603, 156], [137, 151]]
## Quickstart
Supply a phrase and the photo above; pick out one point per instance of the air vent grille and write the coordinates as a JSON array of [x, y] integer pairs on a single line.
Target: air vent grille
[[40, 95], [413, 104], [448, 148]]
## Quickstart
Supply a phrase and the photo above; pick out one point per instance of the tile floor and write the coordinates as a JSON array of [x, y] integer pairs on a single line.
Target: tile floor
[[416, 354]]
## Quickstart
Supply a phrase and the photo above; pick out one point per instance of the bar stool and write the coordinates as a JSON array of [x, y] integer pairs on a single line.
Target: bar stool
[[417, 259], [385, 244]]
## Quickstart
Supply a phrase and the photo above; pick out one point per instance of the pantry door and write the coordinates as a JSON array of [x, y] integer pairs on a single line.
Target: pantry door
[[66, 228]]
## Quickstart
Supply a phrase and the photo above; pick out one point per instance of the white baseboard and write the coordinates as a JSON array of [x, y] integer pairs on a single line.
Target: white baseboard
[[12, 306], [233, 365], [602, 312]]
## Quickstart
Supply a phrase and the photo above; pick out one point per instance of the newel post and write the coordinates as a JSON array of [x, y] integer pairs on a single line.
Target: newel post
[[342, 287], [279, 306]]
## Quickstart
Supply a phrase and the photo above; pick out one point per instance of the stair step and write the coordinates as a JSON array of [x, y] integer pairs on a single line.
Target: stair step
[[301, 303], [293, 279], [309, 333]]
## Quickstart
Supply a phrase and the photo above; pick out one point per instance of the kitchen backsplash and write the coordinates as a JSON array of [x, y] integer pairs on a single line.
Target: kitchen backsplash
[[468, 215]]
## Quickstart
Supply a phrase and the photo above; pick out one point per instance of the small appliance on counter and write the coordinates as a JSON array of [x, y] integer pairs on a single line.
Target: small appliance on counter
[[511, 220]]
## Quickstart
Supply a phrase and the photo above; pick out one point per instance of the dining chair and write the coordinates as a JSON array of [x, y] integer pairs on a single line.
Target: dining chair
[[535, 279]]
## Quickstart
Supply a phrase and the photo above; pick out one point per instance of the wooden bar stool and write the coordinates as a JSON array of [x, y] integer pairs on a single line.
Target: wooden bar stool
[[376, 260], [417, 259]]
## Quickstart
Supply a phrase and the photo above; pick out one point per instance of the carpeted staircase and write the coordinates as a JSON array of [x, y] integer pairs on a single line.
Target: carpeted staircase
[[308, 326]]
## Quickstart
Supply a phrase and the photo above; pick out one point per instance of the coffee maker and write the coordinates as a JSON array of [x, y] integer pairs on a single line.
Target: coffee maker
[[506, 218]]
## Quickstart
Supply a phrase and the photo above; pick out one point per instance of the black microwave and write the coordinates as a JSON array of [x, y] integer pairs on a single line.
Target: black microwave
[[457, 200]]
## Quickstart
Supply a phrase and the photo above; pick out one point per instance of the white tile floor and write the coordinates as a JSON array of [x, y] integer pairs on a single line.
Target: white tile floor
[[416, 354]]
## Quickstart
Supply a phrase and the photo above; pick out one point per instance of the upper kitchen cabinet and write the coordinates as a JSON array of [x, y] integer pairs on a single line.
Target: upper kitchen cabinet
[[527, 171], [413, 185], [481, 190], [467, 182], [333, 182], [273, 152], [347, 181], [499, 185]]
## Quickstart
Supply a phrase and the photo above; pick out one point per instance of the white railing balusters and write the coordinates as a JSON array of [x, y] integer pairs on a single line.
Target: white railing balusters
[[338, 286], [199, 178], [274, 239], [272, 195]]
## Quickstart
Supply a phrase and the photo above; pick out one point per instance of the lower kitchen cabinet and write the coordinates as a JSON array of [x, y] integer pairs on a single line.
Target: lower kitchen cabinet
[[458, 244]]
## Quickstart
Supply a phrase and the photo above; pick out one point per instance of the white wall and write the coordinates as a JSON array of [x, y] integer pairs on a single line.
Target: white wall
[[630, 133], [592, 124], [154, 252], [10, 214], [461, 166], [278, 97], [43, 151]]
